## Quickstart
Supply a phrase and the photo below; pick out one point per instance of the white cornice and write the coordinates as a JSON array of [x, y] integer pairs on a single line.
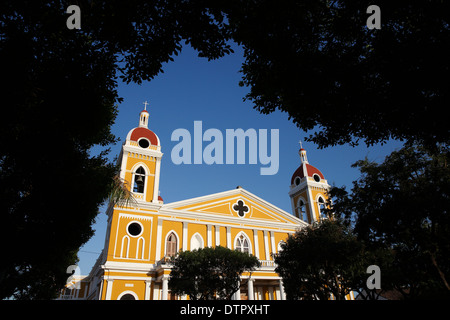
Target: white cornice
[[147, 152]]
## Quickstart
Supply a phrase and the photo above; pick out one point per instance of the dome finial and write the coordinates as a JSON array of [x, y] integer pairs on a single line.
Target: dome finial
[[302, 153], [143, 117]]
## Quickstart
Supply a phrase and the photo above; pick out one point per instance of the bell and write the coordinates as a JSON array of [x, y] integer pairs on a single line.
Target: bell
[[139, 180]]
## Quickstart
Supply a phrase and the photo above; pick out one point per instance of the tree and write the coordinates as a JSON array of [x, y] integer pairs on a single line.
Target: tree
[[210, 273], [320, 63], [322, 260], [315, 60], [59, 100], [403, 204]]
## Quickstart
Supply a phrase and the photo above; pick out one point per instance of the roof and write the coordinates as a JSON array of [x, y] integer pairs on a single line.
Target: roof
[[140, 132], [306, 169]]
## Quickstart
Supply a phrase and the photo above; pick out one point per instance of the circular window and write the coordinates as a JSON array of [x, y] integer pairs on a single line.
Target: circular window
[[134, 229], [316, 177], [297, 181], [144, 143]]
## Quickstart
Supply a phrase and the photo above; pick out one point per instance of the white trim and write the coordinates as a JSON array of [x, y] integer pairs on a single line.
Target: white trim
[[266, 246], [250, 249], [272, 242], [156, 182], [128, 292], [109, 284], [298, 207], [128, 266], [229, 244], [147, 175], [144, 138], [202, 242], [318, 196], [234, 192], [312, 212], [165, 241], [185, 236], [148, 288], [209, 235], [217, 234], [142, 228], [158, 240], [143, 248], [256, 243], [122, 246]]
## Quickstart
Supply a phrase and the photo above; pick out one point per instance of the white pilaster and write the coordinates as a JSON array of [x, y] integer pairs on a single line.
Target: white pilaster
[[148, 288], [251, 295], [156, 186], [158, 240], [266, 246], [109, 289], [165, 287], [229, 237], [208, 235], [217, 231], [272, 242], [255, 241], [185, 236]]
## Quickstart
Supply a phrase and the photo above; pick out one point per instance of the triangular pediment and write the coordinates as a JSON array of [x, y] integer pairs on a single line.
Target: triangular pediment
[[235, 204]]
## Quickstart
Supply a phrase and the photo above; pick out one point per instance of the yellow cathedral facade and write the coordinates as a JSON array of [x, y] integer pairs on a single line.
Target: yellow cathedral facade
[[140, 239]]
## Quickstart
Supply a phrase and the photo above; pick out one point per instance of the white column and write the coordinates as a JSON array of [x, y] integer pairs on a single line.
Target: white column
[[165, 288], [311, 205], [271, 297], [185, 236], [158, 241], [251, 295], [148, 288], [156, 184], [208, 235], [229, 237], [237, 294], [266, 246], [255, 240], [282, 293], [217, 230], [272, 241], [109, 289]]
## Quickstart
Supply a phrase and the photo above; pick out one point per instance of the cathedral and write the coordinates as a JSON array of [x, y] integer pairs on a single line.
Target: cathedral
[[140, 239]]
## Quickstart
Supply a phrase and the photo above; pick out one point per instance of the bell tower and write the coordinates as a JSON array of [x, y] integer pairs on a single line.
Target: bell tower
[[308, 191], [141, 161]]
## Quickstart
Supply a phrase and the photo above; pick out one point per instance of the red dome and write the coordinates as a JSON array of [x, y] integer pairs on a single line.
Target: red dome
[[138, 133], [310, 171]]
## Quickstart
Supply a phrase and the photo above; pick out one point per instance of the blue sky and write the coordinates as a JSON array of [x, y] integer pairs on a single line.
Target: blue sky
[[195, 89]]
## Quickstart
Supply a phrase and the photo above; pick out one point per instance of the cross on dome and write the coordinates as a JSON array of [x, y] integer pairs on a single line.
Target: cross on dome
[[145, 103]]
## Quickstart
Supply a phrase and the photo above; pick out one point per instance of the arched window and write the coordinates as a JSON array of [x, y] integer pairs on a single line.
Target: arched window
[[196, 242], [171, 245], [301, 211], [322, 207], [242, 244], [139, 180], [127, 296]]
